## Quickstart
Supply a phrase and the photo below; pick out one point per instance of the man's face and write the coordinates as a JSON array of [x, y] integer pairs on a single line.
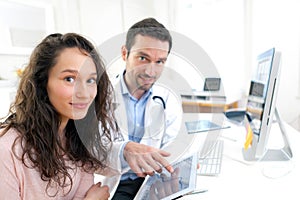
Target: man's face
[[145, 63]]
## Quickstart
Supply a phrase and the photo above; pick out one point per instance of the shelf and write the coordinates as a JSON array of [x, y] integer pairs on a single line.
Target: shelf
[[17, 51]]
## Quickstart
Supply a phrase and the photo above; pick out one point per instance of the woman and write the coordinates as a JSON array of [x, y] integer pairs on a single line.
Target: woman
[[50, 143]]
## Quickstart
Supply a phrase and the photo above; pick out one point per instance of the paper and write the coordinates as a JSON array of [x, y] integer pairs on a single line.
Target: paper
[[249, 137]]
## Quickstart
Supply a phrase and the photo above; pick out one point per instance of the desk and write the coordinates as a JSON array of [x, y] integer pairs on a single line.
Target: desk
[[8, 93], [248, 181], [207, 102]]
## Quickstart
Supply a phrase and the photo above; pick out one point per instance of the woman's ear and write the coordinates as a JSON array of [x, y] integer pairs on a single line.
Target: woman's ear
[[124, 52]]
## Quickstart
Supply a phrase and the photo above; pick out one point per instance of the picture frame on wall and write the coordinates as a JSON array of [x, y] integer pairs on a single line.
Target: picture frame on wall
[[23, 24]]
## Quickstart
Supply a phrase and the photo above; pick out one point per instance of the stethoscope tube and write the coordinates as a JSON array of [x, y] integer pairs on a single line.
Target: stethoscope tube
[[161, 99]]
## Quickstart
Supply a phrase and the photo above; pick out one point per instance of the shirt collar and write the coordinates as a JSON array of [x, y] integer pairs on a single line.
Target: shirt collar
[[124, 88]]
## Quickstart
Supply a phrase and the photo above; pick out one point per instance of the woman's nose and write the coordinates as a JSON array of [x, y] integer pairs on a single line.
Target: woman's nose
[[81, 90]]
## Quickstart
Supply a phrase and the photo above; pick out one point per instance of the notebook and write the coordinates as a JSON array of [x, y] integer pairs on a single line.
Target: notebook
[[202, 126], [169, 186]]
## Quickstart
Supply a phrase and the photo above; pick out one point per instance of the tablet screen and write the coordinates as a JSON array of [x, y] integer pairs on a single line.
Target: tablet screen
[[168, 186]]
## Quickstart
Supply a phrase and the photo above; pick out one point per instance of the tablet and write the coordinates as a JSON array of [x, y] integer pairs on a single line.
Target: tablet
[[165, 186]]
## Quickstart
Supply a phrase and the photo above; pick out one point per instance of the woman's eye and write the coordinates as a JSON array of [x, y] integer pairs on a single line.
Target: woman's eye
[[91, 81], [69, 79]]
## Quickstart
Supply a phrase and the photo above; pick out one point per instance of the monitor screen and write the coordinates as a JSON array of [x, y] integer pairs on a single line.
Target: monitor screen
[[263, 77], [262, 99], [212, 84], [257, 89]]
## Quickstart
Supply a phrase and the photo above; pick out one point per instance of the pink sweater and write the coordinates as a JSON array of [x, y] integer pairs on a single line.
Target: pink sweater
[[20, 182]]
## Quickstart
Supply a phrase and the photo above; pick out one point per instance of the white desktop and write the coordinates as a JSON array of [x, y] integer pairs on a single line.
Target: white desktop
[[241, 179], [267, 168]]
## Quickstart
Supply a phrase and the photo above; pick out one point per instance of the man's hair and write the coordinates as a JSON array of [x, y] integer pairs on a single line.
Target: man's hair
[[148, 27]]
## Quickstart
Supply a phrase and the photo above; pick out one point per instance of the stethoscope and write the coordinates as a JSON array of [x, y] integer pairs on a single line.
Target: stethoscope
[[163, 104], [161, 99]]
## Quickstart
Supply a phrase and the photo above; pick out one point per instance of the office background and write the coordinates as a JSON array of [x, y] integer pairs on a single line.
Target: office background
[[232, 32]]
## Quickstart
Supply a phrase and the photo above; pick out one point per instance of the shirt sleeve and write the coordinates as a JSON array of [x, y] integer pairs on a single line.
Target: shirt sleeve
[[116, 162], [124, 164], [9, 184]]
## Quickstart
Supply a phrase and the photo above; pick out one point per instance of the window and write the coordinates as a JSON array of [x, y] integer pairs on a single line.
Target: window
[[218, 27]]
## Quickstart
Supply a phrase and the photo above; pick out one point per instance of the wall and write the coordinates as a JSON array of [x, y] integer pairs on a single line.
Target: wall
[[101, 20], [277, 24]]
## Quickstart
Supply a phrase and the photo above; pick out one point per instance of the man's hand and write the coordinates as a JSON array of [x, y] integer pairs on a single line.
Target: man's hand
[[145, 160]]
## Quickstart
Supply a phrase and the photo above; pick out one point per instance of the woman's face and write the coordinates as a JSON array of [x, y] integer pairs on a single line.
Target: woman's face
[[72, 84]]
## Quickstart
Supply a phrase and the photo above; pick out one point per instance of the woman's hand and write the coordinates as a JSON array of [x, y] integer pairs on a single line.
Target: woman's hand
[[97, 192]]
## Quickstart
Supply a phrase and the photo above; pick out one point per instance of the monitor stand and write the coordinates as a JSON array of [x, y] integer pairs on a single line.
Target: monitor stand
[[282, 154]]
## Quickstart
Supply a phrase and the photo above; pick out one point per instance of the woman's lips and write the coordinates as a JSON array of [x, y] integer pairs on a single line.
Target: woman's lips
[[79, 105]]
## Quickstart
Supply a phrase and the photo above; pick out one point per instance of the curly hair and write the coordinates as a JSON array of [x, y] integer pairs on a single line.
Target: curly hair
[[37, 121]]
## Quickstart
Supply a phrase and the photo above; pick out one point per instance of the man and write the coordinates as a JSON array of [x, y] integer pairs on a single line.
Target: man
[[147, 113]]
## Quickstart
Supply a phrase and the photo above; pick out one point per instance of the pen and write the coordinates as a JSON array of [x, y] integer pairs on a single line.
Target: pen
[[190, 193], [197, 192]]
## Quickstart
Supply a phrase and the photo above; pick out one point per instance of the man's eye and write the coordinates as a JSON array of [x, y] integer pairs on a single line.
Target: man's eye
[[142, 58], [160, 62], [69, 79]]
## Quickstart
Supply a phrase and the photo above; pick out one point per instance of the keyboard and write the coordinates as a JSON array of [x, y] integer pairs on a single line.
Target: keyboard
[[211, 164]]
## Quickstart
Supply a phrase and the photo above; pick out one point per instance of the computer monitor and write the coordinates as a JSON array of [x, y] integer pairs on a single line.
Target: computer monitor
[[261, 109]]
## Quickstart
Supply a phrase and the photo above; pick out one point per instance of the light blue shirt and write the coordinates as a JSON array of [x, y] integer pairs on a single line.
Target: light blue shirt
[[135, 110]]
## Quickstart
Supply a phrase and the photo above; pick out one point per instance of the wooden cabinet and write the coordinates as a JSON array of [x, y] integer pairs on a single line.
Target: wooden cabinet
[[207, 102], [207, 107]]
